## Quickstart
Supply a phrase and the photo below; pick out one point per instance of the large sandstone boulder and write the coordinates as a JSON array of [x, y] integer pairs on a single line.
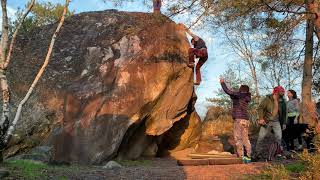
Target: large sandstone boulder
[[116, 83], [186, 132]]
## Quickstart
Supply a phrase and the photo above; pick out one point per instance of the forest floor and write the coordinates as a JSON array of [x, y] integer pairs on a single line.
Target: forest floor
[[155, 168], [148, 168]]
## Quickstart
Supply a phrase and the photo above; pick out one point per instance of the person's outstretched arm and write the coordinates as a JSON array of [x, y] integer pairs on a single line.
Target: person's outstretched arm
[[225, 88], [195, 37]]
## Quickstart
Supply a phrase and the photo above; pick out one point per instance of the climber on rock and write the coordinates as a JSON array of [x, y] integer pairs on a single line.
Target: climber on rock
[[156, 6], [199, 50]]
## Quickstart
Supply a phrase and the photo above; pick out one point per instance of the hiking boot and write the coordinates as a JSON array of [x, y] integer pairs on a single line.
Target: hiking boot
[[197, 83], [246, 159], [191, 65]]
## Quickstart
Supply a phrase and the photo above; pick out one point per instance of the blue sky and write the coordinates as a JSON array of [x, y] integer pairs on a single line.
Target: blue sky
[[212, 69]]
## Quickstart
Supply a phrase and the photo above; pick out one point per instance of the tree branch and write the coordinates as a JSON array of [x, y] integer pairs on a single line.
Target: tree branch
[[183, 9], [285, 11], [197, 20], [7, 61]]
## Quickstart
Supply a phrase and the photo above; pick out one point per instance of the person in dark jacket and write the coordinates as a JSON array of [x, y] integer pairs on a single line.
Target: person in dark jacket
[[199, 50], [240, 102]]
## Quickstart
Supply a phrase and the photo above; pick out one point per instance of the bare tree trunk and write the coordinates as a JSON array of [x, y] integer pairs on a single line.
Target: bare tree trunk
[[5, 31], [314, 8], [4, 49], [307, 67], [275, 75], [4, 121], [252, 68], [255, 79], [289, 76], [38, 76], [5, 59]]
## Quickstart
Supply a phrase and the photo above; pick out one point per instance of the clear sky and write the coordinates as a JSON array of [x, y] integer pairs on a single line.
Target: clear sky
[[215, 65]]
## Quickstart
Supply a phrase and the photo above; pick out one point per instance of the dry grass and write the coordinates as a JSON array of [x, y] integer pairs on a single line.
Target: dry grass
[[308, 167], [313, 162], [278, 172], [313, 166]]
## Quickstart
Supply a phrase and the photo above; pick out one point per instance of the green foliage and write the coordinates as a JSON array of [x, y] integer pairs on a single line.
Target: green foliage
[[42, 13], [298, 167], [29, 169]]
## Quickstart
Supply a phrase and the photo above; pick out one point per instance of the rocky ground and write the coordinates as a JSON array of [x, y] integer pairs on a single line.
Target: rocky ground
[[156, 168]]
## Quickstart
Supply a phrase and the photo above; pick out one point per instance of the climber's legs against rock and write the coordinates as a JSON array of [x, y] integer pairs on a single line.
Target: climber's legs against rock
[[191, 57], [198, 73], [199, 53], [156, 6]]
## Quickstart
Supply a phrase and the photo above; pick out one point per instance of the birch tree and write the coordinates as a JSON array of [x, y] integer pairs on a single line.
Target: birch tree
[[8, 131], [5, 57]]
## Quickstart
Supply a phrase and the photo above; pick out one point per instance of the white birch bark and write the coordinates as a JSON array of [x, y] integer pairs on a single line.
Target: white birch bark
[[4, 121], [38, 76]]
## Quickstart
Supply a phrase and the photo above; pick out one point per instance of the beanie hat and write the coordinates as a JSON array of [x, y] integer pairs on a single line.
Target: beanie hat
[[278, 89]]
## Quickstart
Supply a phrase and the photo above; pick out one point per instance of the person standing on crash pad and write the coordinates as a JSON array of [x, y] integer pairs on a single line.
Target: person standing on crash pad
[[199, 50], [156, 6]]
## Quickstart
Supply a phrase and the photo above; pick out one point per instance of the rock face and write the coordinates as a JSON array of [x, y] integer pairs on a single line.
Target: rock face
[[184, 133], [116, 84]]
